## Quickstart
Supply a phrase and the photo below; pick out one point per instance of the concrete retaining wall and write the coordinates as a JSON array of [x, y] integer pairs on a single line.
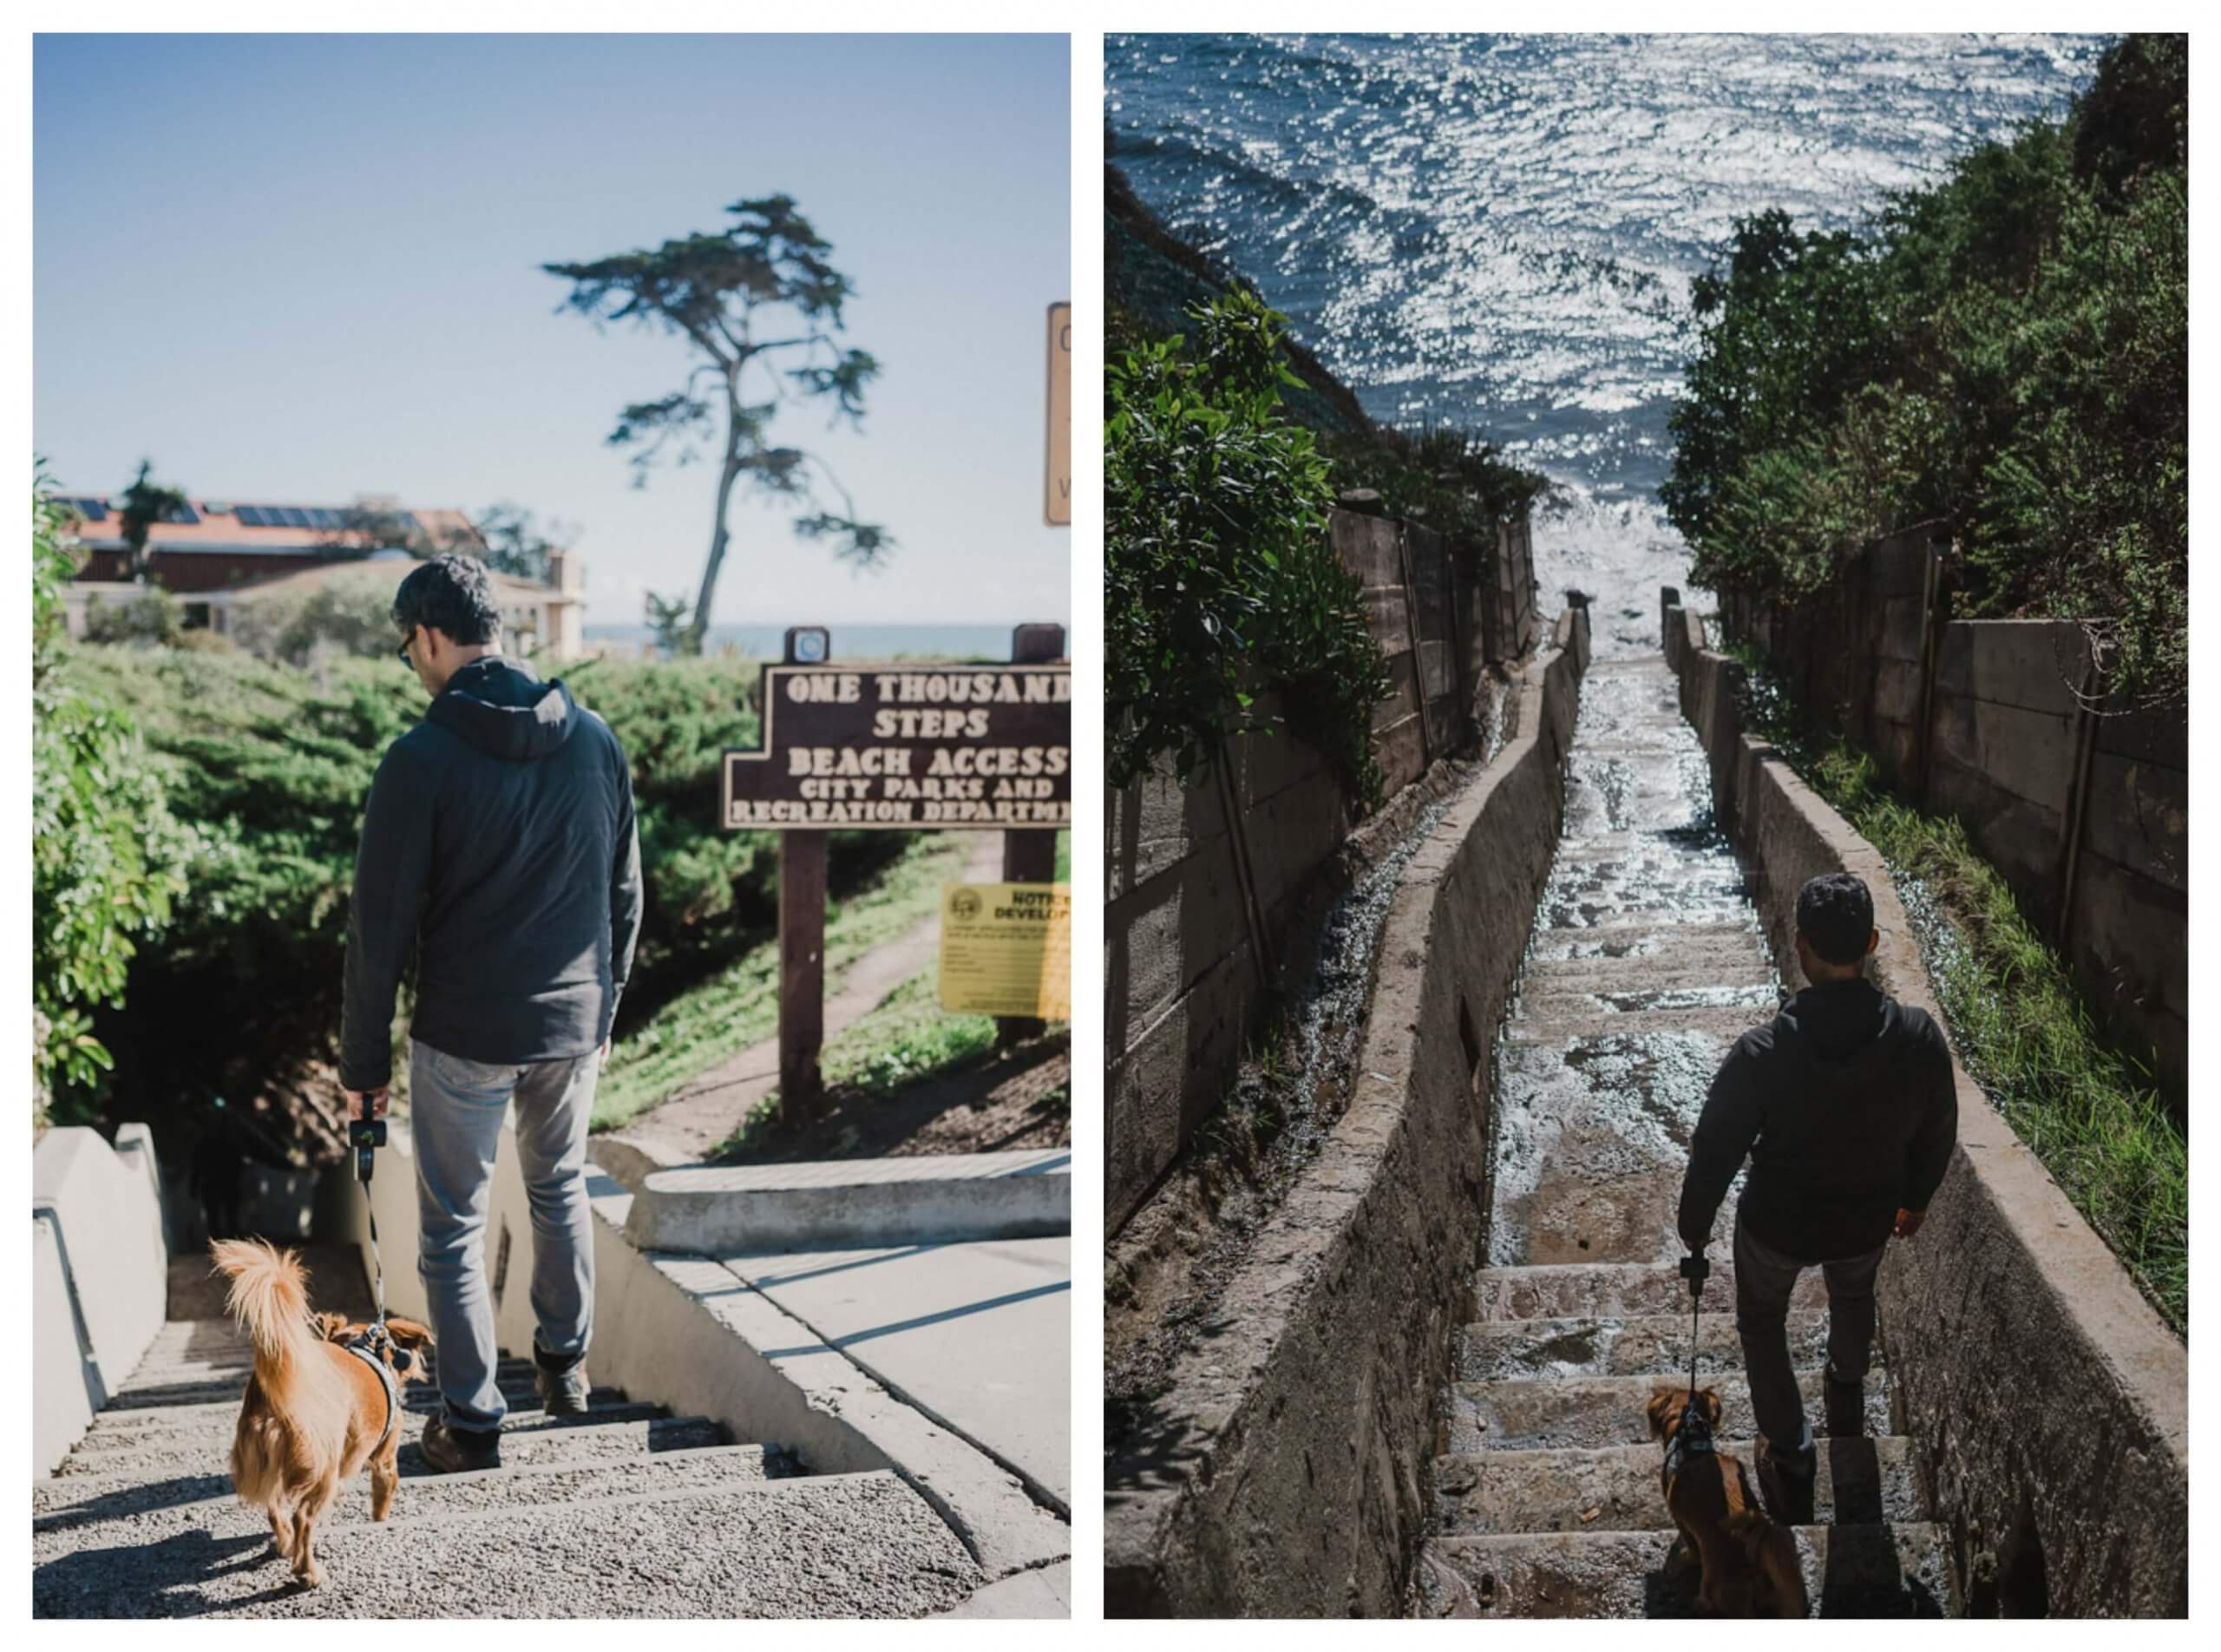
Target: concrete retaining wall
[[2049, 1401], [1182, 982], [2086, 815], [100, 1276], [1282, 1474]]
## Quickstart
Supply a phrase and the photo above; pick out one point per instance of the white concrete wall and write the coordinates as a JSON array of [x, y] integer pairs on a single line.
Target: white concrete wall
[[100, 1275]]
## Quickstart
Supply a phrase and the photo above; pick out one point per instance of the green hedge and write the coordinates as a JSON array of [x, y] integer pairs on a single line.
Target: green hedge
[[2001, 359]]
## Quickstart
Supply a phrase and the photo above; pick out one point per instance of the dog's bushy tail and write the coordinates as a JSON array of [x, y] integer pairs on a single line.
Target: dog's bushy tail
[[270, 1299], [1773, 1551]]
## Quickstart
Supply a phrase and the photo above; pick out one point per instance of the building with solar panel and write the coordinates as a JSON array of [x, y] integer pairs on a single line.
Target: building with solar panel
[[217, 555]]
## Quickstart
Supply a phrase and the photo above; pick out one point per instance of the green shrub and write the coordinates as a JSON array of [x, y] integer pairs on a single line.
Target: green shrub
[[1220, 584], [107, 856], [150, 618], [2001, 359]]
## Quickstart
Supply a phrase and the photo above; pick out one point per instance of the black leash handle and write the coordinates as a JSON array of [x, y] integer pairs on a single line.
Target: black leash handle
[[1696, 1270], [366, 1135]]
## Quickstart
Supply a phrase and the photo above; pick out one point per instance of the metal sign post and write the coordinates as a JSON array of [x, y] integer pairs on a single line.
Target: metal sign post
[[1058, 487], [1030, 857]]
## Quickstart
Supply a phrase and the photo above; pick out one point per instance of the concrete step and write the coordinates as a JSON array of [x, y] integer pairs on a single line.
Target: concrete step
[[835, 1546], [1685, 943], [1861, 1482], [1601, 1001], [122, 1522], [1587, 1413], [1720, 1026], [1610, 910], [1850, 1571], [1616, 1290], [212, 1426], [1641, 1344], [580, 1442], [158, 1391], [1656, 973]]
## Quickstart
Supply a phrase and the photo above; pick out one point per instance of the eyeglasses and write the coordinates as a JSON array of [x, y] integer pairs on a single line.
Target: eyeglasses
[[405, 641]]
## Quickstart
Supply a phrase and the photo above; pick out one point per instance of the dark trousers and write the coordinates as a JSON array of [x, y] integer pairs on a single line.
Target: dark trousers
[[1764, 1280]]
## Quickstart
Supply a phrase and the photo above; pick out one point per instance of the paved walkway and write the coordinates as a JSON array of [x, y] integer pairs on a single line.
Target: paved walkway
[[977, 1335], [628, 1512], [1646, 963]]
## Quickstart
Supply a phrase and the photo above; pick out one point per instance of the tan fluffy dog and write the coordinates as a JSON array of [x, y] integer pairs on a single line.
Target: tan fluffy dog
[[315, 1414], [1747, 1564]]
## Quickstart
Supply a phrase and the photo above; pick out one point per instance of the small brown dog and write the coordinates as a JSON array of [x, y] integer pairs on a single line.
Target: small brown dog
[[316, 1412], [1747, 1563]]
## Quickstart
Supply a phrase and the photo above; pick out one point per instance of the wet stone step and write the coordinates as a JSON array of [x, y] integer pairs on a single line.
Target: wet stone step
[[1608, 910], [1634, 1000], [1590, 1412], [221, 1515], [1647, 972], [1860, 1482], [1721, 1027], [1511, 1350], [1617, 1290], [1736, 939], [1892, 1571]]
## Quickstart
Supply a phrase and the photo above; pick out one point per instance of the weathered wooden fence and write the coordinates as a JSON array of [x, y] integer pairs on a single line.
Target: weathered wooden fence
[[1207, 884], [2083, 806]]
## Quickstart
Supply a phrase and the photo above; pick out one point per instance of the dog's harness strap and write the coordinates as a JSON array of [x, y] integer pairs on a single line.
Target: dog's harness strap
[[365, 1347]]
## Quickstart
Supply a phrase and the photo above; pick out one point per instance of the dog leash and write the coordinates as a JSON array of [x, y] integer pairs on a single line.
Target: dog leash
[[366, 1135], [1694, 1435]]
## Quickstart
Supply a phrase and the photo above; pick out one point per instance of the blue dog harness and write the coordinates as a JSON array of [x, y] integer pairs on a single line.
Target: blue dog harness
[[369, 1347]]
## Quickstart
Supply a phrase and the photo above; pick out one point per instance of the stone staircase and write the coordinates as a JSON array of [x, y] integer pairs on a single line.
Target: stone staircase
[[628, 1512], [1647, 964]]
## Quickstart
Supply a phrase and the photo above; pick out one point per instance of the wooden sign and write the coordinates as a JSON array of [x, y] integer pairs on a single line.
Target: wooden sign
[[1059, 488], [906, 748], [1006, 950]]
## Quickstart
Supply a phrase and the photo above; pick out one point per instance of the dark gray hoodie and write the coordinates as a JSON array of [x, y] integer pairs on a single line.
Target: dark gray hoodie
[[1845, 1104], [499, 845]]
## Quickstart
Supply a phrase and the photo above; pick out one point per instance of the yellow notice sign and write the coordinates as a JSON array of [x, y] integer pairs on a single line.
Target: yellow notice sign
[[1006, 950]]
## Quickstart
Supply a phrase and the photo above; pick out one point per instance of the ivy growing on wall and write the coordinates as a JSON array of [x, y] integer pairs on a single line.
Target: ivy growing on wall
[[1221, 583]]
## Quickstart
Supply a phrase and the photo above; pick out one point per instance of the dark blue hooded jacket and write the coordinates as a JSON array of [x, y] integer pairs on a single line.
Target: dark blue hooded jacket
[[498, 846]]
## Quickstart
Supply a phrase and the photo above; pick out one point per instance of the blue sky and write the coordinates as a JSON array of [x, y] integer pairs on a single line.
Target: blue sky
[[299, 268]]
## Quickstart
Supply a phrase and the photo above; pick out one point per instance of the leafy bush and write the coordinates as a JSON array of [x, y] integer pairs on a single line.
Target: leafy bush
[[1219, 581], [350, 617], [105, 854], [152, 617], [2001, 359]]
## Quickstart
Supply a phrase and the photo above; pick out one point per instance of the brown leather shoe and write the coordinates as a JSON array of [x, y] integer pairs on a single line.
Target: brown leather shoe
[[1786, 1482], [460, 1451]]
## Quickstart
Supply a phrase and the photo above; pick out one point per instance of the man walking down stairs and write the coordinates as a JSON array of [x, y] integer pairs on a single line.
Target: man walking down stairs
[[1647, 965], [624, 1512]]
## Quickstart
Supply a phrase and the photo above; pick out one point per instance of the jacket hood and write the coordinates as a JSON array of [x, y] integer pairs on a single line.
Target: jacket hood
[[504, 711], [1840, 1019]]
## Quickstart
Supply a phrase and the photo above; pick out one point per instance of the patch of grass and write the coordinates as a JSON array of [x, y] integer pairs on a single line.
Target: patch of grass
[[2086, 1110], [739, 1005], [906, 1039]]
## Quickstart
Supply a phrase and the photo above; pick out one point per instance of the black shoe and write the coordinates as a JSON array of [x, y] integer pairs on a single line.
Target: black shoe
[[1785, 1482], [560, 1380], [459, 1451], [1843, 1406]]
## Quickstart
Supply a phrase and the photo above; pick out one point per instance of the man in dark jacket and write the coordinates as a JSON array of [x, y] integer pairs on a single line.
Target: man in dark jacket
[[1845, 1107], [498, 847]]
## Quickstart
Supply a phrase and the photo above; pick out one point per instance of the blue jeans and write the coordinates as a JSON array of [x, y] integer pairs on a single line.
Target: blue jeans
[[456, 1111]]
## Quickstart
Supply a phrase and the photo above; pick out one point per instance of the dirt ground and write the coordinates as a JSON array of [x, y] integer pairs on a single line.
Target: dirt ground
[[1002, 1103]]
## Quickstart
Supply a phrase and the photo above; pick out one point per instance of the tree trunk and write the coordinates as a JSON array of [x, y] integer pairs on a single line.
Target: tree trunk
[[697, 626]]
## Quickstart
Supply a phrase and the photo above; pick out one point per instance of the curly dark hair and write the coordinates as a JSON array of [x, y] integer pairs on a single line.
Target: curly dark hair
[[1836, 913], [451, 594]]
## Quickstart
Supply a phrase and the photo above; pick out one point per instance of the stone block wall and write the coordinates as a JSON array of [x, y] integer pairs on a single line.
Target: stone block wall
[[1190, 872], [2084, 809]]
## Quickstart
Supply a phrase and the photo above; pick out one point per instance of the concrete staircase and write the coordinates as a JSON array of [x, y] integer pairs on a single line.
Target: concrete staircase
[[628, 1513], [1646, 965]]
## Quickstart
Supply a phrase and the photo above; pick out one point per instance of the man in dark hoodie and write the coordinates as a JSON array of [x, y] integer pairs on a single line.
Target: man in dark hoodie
[[498, 847], [1845, 1105]]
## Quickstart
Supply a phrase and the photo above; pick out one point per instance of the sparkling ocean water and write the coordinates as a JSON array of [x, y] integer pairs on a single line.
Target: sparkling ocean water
[[1500, 231]]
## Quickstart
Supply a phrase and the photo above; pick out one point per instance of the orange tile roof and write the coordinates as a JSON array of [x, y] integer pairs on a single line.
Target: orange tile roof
[[219, 526]]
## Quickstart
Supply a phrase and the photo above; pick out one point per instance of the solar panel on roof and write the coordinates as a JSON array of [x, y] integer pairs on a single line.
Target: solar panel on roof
[[184, 515], [92, 510], [296, 517], [250, 516]]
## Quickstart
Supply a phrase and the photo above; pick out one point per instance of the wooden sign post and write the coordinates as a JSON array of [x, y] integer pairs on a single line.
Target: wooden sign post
[[895, 748]]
